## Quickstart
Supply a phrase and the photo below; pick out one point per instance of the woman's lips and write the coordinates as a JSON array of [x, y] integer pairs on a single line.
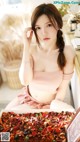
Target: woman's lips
[[46, 38]]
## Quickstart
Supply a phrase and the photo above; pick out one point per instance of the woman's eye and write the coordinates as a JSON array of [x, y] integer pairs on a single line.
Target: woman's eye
[[49, 25], [37, 28]]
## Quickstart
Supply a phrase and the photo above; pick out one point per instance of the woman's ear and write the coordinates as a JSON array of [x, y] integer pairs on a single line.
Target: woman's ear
[[56, 26]]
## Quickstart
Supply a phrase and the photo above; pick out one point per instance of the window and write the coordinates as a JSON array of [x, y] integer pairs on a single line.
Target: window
[[13, 1]]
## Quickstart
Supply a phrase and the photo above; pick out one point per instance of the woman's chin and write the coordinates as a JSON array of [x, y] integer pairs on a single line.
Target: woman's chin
[[45, 46]]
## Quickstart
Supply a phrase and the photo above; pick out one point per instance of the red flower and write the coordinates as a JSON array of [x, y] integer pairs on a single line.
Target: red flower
[[34, 133]]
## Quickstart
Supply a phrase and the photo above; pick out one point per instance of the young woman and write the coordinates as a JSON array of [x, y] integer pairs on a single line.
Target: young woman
[[47, 67]]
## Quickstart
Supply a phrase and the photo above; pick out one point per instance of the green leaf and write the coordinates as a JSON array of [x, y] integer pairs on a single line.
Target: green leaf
[[27, 138]]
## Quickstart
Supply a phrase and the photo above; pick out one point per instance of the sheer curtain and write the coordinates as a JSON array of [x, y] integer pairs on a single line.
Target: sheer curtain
[[4, 2]]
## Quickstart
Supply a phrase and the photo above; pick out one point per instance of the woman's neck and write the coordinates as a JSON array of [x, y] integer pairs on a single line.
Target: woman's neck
[[48, 49]]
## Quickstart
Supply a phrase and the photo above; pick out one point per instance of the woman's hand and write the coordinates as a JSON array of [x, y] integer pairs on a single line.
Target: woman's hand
[[28, 33]]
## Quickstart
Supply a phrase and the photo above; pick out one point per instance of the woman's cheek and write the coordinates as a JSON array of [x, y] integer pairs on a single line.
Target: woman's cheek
[[39, 37]]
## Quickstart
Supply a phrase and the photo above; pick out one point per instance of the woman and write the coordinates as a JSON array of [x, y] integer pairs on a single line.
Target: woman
[[47, 67]]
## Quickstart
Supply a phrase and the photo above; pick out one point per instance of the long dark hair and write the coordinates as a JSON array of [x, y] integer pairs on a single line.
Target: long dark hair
[[54, 16]]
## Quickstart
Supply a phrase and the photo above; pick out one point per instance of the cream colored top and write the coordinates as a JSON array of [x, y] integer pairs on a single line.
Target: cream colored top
[[48, 81]]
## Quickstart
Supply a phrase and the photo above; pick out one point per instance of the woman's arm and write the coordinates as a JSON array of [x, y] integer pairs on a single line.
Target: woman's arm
[[58, 104], [63, 87], [67, 72], [26, 68]]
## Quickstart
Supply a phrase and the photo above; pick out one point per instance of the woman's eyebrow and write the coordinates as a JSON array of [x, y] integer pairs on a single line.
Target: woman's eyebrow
[[44, 23]]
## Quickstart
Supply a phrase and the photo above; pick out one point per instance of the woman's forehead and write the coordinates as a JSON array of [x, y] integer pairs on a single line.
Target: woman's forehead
[[42, 19]]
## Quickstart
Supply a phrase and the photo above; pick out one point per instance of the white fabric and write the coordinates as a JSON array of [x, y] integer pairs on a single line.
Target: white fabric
[[56, 106], [59, 106]]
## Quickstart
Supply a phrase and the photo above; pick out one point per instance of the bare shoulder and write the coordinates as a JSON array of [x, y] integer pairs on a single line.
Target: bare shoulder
[[69, 52]]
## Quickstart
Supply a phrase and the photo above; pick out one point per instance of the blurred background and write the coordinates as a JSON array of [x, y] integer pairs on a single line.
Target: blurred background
[[14, 18]]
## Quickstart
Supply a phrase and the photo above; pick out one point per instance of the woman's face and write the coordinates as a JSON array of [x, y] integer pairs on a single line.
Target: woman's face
[[46, 33]]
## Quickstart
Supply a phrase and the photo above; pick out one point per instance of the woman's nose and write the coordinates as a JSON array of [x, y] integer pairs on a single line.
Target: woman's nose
[[44, 31]]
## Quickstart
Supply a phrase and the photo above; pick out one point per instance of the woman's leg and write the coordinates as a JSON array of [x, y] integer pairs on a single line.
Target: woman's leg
[[18, 100], [25, 98]]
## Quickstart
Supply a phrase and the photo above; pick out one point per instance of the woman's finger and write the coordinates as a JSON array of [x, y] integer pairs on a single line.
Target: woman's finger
[[46, 106]]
